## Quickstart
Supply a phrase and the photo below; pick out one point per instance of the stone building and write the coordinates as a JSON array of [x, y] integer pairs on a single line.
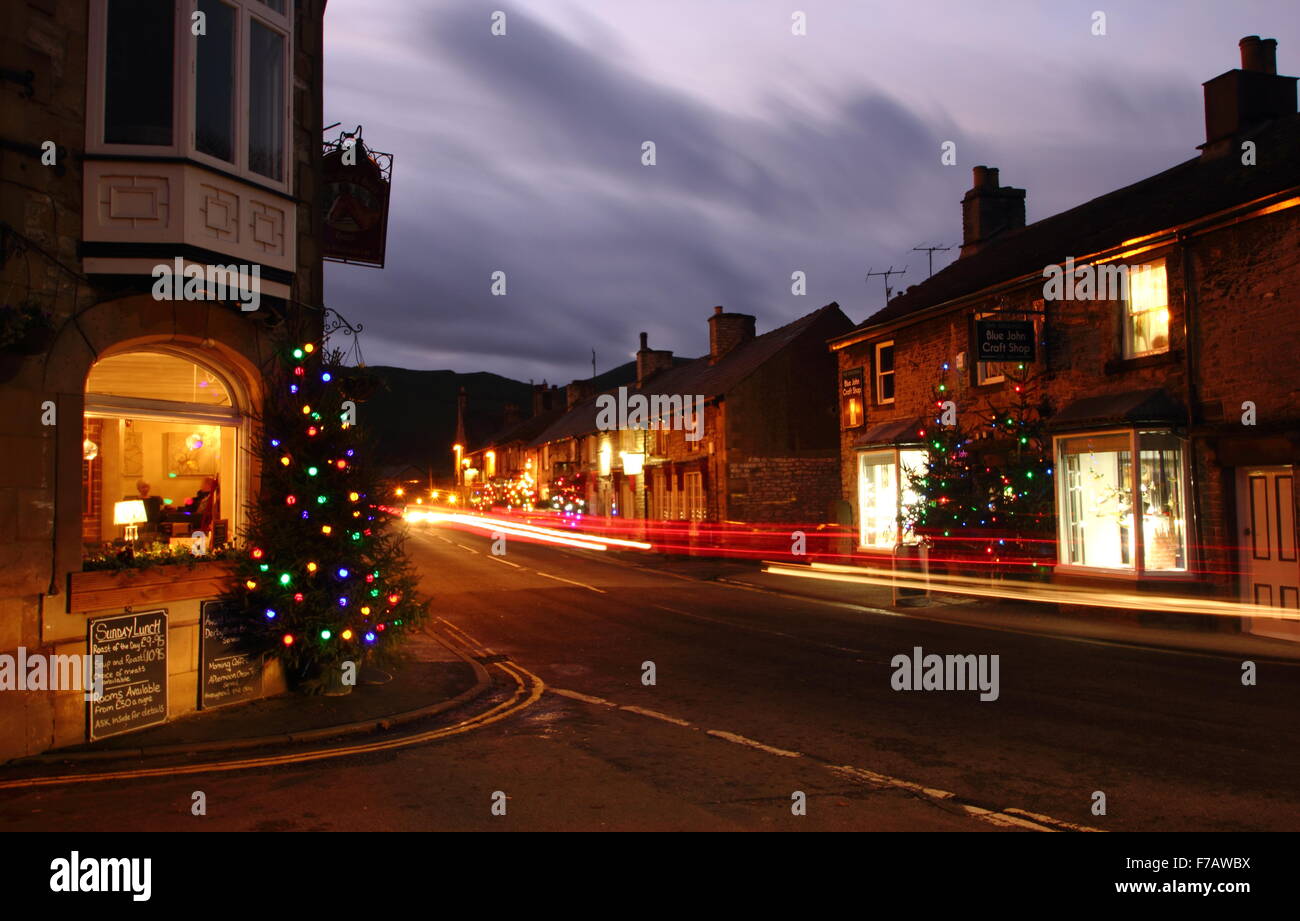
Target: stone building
[[1189, 370], [131, 142]]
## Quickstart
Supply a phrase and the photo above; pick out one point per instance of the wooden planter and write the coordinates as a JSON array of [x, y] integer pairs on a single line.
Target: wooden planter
[[96, 591]]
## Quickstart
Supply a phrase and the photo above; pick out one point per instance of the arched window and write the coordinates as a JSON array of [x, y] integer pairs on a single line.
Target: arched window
[[164, 431]]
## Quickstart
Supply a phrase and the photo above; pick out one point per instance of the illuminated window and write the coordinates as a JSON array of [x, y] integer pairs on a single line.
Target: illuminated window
[[1146, 312], [1099, 520], [884, 493], [695, 506], [885, 372]]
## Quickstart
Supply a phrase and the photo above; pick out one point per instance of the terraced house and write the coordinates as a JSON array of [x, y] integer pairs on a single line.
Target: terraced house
[[1173, 406], [129, 139]]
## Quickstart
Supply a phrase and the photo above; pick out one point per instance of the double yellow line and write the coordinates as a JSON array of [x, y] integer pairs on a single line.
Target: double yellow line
[[528, 690]]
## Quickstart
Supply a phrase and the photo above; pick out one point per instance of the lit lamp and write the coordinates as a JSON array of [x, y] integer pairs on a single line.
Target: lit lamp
[[633, 464], [131, 513]]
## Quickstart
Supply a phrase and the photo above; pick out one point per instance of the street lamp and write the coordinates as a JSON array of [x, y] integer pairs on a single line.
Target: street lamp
[[458, 449]]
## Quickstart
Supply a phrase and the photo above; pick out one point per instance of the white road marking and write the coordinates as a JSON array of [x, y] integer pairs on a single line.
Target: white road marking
[[656, 715], [1059, 823], [586, 698], [463, 547], [507, 562], [741, 740], [571, 582]]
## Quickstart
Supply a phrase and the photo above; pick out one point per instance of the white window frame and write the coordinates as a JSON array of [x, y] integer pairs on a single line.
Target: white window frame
[[184, 85], [877, 376], [1127, 315], [694, 505], [1138, 570], [895, 455]]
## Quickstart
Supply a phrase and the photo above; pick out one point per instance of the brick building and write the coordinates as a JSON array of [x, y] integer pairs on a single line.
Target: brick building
[[1189, 371], [167, 146]]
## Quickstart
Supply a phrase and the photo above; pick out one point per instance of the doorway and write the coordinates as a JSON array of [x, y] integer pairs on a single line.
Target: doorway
[[1270, 573]]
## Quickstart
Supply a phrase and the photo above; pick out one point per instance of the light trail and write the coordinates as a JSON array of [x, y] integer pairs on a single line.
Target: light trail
[[520, 529], [1014, 591]]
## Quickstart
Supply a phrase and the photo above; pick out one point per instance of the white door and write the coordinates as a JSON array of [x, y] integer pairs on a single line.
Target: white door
[[1269, 567]]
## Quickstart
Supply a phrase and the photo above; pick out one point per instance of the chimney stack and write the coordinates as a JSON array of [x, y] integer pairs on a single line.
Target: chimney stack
[[1243, 99], [728, 330], [989, 209], [650, 362], [578, 391]]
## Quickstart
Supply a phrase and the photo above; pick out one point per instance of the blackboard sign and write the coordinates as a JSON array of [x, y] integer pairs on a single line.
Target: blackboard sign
[[227, 673], [134, 647], [1004, 340]]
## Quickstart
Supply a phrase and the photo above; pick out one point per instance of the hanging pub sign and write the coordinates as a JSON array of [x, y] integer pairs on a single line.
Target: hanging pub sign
[[358, 183], [1004, 340]]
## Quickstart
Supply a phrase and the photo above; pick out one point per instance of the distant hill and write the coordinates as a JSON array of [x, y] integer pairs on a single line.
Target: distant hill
[[413, 413]]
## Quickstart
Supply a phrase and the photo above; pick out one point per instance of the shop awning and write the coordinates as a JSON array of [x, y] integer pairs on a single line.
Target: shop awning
[[891, 433], [1152, 406]]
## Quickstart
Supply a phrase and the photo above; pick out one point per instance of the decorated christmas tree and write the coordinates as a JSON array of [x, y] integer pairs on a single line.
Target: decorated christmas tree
[[985, 495], [322, 575]]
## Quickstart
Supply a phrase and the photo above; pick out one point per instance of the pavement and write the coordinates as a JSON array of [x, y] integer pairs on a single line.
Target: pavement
[[434, 677]]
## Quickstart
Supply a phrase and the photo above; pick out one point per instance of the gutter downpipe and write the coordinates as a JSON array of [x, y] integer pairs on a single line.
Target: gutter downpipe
[[1189, 347]]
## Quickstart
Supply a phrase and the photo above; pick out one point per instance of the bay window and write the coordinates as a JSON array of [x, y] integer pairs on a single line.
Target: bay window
[[884, 492], [220, 97], [1118, 515]]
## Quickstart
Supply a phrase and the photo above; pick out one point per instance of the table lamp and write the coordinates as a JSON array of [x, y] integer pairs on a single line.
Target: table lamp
[[131, 513]]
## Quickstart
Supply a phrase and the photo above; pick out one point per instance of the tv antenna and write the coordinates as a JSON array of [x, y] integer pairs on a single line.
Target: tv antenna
[[929, 252], [886, 273]]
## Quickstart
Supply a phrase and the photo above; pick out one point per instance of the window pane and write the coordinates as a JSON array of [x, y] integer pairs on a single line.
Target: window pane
[[156, 376], [877, 499], [1164, 525], [214, 93], [138, 72], [266, 108], [1097, 513], [1147, 321], [277, 5]]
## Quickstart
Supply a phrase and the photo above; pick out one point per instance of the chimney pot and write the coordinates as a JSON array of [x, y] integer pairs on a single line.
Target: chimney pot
[[985, 176], [1258, 54], [717, 309], [644, 344]]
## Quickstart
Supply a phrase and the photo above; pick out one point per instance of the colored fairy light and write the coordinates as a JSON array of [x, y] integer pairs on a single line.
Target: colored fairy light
[[342, 465], [250, 585], [379, 627], [343, 573], [326, 529], [309, 348], [312, 471], [343, 602], [366, 611], [290, 500], [321, 500], [370, 577], [325, 634], [299, 371], [306, 410], [270, 614], [370, 637], [275, 442], [353, 496], [346, 634], [297, 353], [257, 553], [394, 598], [288, 639], [350, 452], [264, 567], [312, 567], [312, 430], [297, 596], [293, 388], [285, 461], [305, 514], [326, 377], [285, 578]]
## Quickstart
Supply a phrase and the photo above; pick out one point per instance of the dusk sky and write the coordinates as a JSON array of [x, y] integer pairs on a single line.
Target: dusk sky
[[775, 153]]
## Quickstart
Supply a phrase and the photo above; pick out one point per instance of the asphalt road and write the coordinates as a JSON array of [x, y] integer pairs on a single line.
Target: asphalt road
[[757, 696]]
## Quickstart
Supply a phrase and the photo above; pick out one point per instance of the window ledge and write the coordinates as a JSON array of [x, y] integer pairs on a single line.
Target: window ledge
[[1120, 365]]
